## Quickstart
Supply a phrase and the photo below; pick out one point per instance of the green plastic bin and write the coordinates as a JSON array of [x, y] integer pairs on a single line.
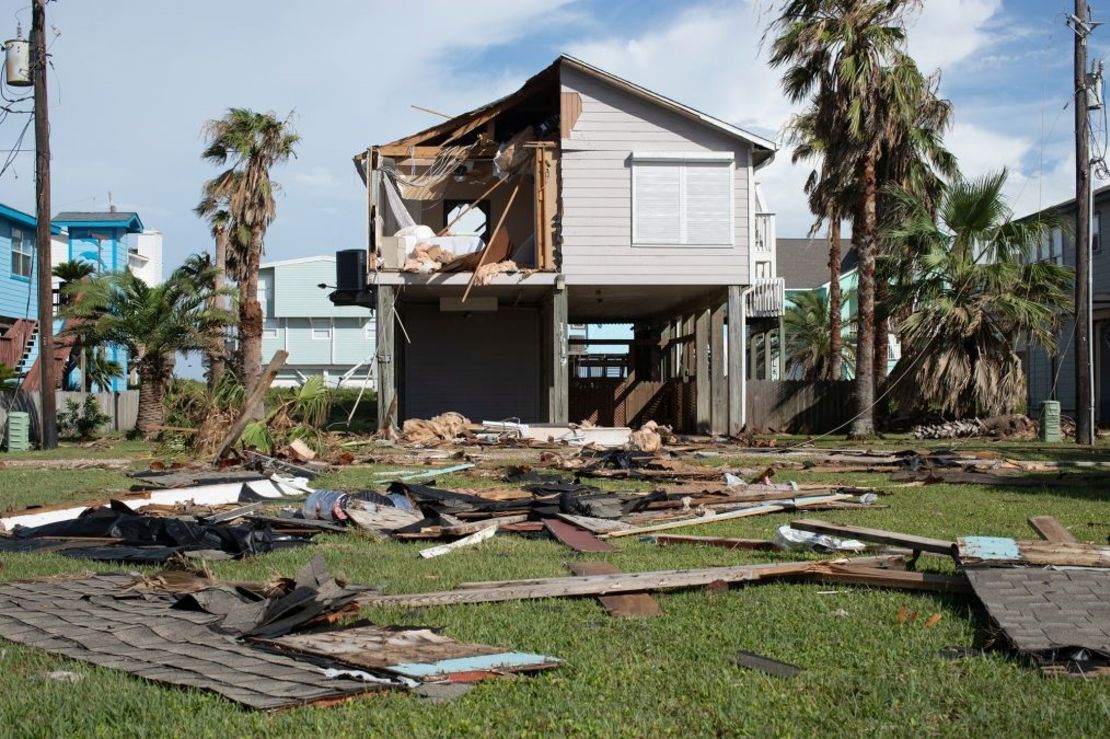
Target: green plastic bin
[[19, 431], [1050, 421]]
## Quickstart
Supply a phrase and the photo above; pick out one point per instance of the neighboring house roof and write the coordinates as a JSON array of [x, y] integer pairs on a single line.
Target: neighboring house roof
[[764, 149], [1066, 204], [804, 263], [88, 219], [23, 219]]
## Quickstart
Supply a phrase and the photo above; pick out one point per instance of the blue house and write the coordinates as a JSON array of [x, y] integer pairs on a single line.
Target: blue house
[[100, 238]]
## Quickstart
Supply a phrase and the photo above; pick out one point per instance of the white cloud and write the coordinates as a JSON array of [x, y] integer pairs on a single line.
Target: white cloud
[[950, 31]]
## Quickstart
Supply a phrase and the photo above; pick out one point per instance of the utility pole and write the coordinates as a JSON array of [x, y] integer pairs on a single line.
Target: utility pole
[[1084, 358], [49, 418]]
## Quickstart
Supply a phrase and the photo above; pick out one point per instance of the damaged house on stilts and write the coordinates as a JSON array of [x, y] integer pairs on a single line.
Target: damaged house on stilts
[[579, 199]]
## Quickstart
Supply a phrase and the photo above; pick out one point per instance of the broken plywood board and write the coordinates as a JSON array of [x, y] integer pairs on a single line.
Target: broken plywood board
[[577, 539], [1049, 529], [997, 550], [565, 587], [627, 605], [880, 536], [594, 525], [420, 654], [741, 513], [854, 574], [467, 541]]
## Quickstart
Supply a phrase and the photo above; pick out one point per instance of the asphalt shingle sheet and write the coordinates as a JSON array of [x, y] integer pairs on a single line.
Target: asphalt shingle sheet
[[97, 620], [1043, 609]]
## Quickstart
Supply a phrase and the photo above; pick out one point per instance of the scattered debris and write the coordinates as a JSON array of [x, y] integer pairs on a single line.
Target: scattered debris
[[791, 539], [753, 661], [467, 541]]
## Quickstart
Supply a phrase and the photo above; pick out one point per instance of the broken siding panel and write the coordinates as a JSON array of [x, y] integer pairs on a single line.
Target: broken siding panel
[[596, 191]]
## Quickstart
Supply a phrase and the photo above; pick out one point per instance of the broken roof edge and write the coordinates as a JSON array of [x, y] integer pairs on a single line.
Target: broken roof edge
[[608, 77]]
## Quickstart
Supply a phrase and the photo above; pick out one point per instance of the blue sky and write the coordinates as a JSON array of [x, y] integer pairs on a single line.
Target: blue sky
[[134, 81]]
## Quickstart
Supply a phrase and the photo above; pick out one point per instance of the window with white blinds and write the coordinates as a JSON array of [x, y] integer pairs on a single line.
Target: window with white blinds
[[677, 199]]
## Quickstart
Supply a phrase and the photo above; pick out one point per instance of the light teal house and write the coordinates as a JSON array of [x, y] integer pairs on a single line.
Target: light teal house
[[102, 239], [337, 342], [804, 266]]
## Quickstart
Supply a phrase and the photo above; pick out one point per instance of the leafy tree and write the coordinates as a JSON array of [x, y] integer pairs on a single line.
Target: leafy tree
[[809, 339], [972, 296], [252, 143], [214, 207], [153, 322]]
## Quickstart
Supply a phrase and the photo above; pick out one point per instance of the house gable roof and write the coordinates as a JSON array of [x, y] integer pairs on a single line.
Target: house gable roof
[[804, 263], [24, 219], [127, 220], [763, 148]]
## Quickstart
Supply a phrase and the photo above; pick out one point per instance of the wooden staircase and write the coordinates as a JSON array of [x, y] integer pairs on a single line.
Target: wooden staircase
[[17, 343], [63, 347]]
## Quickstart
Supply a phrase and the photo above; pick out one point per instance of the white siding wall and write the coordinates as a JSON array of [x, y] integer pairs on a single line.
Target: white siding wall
[[597, 193]]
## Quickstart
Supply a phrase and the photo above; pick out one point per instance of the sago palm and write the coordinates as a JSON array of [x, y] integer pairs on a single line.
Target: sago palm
[[152, 322], [252, 144], [973, 299]]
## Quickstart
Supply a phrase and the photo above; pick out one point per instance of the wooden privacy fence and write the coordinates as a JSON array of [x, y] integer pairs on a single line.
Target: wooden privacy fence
[[123, 408], [612, 401], [798, 406]]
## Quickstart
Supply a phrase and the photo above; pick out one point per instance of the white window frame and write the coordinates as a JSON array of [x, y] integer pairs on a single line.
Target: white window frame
[[314, 327], [17, 254], [270, 328], [682, 159]]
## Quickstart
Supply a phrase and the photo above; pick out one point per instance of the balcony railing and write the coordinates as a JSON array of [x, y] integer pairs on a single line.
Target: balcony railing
[[764, 241], [767, 298]]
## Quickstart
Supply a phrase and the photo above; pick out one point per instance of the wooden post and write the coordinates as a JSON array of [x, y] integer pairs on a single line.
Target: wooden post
[[558, 392], [718, 417], [702, 391], [735, 361], [385, 323], [253, 400], [48, 437]]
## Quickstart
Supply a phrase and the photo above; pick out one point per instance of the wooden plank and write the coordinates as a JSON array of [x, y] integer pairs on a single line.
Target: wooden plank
[[916, 543], [629, 605], [571, 109], [718, 383], [986, 550], [594, 525], [736, 330], [577, 539], [703, 392], [741, 513], [854, 574], [257, 393], [761, 545], [566, 587], [467, 541], [1049, 529]]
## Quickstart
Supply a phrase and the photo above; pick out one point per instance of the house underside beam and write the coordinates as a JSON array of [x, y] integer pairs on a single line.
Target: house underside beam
[[702, 388], [385, 321], [556, 373], [718, 417], [736, 348]]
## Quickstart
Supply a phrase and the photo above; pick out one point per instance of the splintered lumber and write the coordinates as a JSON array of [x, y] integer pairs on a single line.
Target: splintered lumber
[[915, 543], [994, 550], [786, 505], [854, 574], [467, 541], [577, 539], [594, 525], [257, 393], [762, 545], [1049, 529], [570, 587], [628, 605]]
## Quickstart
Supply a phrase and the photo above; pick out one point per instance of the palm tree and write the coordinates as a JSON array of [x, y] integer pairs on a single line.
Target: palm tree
[[809, 339], [975, 299], [153, 322], [214, 207], [849, 55], [253, 143]]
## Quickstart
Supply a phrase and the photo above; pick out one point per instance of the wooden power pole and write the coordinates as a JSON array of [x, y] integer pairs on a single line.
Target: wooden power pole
[[49, 419], [1084, 420]]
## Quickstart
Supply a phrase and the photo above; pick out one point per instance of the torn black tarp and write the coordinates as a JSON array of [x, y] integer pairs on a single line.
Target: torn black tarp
[[118, 534]]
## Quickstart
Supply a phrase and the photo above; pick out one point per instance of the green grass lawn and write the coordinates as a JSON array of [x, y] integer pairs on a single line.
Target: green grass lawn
[[862, 672]]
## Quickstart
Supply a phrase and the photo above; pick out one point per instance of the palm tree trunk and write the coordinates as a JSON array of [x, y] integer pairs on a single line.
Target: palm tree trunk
[[250, 323], [863, 425], [217, 356], [152, 388], [835, 340]]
